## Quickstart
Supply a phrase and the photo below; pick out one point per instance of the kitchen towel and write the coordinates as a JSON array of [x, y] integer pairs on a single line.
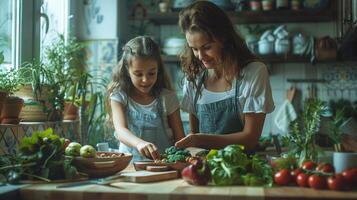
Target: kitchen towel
[[284, 116]]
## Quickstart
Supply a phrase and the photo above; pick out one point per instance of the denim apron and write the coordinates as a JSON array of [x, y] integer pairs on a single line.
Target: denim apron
[[221, 117], [149, 126]]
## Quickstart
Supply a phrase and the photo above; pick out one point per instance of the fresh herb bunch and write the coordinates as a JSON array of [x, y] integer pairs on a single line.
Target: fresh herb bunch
[[304, 129], [40, 156], [173, 154], [231, 166]]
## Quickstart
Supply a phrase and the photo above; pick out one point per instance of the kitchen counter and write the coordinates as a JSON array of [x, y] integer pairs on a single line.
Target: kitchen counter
[[174, 189]]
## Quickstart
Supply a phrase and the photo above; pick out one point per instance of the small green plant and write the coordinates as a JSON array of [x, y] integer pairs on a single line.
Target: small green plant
[[338, 121], [304, 129], [10, 81], [65, 62], [36, 74]]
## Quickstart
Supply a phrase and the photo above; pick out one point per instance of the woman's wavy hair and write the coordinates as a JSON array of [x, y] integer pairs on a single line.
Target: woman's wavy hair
[[207, 18], [139, 47]]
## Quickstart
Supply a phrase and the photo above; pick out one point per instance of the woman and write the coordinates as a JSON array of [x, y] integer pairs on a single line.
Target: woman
[[227, 91]]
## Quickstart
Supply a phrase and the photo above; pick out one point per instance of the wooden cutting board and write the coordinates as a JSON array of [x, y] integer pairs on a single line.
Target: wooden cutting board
[[148, 176]]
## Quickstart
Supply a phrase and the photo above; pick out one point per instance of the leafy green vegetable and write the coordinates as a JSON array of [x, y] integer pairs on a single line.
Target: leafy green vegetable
[[231, 166], [40, 156], [173, 154]]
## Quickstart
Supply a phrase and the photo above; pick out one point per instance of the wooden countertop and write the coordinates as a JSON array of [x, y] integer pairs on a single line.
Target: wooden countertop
[[174, 189]]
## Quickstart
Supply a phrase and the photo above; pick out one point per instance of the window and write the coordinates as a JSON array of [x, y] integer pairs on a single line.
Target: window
[[54, 21], [7, 17], [28, 26]]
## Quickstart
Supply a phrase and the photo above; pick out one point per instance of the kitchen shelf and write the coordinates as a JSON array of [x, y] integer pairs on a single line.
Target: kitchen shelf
[[268, 59], [274, 16]]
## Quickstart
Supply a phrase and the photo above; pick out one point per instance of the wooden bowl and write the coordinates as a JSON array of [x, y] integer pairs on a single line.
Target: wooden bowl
[[102, 166]]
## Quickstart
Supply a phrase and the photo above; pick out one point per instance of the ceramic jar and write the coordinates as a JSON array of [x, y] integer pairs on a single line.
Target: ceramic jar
[[344, 160], [267, 4], [282, 46], [265, 47]]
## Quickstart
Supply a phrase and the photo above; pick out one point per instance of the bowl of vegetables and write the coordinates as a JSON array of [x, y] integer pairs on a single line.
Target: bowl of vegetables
[[104, 164]]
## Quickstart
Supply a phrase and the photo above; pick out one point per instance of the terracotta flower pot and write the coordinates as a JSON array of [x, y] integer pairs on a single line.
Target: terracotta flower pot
[[11, 109], [70, 111], [3, 96]]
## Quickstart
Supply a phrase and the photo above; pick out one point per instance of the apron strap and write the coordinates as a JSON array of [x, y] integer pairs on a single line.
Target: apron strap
[[199, 86], [163, 122]]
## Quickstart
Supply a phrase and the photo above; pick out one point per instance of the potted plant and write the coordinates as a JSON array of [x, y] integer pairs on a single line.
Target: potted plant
[[341, 159], [303, 131], [64, 58], [35, 91], [12, 105], [89, 97]]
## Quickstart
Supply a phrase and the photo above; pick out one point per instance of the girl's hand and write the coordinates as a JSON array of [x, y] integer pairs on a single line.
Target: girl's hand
[[148, 150], [188, 141]]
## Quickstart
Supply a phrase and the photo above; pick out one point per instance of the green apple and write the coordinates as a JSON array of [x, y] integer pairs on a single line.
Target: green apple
[[71, 151], [87, 151], [75, 145]]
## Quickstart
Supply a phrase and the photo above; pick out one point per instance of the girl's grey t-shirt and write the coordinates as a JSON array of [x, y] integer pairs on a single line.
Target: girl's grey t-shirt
[[169, 100]]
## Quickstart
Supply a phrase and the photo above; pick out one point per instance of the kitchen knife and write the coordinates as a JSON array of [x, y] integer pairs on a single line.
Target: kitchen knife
[[100, 181]]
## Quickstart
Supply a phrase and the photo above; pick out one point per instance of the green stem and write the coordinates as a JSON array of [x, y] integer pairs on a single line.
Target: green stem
[[18, 165], [37, 177]]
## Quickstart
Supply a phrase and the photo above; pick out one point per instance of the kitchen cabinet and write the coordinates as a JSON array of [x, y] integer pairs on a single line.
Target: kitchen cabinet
[[327, 14]]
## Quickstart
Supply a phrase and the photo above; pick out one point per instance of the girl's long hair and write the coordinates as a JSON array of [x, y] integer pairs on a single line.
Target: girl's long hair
[[207, 18], [138, 47]]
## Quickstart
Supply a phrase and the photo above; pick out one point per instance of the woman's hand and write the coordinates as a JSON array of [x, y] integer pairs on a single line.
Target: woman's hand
[[188, 141], [148, 150]]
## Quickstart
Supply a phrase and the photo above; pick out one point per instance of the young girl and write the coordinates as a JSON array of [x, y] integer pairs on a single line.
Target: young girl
[[144, 108]]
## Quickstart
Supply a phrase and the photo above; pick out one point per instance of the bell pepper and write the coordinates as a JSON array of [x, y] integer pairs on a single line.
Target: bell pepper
[[198, 173]]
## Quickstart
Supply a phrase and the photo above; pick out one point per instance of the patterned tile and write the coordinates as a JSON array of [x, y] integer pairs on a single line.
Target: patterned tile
[[107, 51]]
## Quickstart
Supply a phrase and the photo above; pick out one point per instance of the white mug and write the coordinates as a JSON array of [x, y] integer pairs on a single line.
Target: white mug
[[104, 146]]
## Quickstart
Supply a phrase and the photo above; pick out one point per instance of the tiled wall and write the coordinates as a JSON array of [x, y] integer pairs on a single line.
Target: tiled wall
[[11, 135], [101, 56], [341, 83]]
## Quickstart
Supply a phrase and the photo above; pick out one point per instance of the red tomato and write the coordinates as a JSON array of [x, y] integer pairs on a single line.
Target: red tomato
[[317, 182], [325, 167], [302, 180], [350, 176], [336, 182], [308, 165], [295, 173], [282, 177]]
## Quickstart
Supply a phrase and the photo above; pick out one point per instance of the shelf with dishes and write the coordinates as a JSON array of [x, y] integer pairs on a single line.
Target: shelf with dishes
[[329, 13], [266, 58]]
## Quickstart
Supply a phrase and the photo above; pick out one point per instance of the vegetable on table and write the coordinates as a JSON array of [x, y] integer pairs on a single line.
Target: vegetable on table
[[232, 166], [197, 173]]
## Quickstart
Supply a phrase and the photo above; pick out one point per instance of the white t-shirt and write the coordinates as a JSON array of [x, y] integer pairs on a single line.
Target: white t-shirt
[[254, 92], [169, 101]]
